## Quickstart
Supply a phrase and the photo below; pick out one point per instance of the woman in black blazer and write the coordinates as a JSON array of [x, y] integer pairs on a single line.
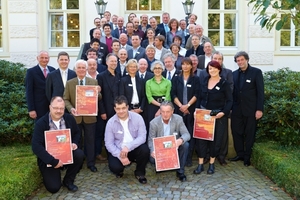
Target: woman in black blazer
[[184, 93]]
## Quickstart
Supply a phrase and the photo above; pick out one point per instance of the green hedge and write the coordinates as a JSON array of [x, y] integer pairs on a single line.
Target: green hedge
[[15, 124], [19, 174], [282, 107], [280, 164]]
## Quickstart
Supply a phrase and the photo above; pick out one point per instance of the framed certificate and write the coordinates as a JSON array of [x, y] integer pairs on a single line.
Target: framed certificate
[[204, 125], [58, 143], [166, 153], [86, 100]]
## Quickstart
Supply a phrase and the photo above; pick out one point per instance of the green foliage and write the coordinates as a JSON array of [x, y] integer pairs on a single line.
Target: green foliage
[[15, 125], [284, 12], [19, 174], [280, 164], [282, 107]]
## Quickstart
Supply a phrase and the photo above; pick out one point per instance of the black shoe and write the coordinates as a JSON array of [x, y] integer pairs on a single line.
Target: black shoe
[[93, 168], [247, 163], [206, 160], [222, 161], [141, 179], [211, 169], [237, 158], [181, 176], [199, 169], [71, 187], [119, 175]]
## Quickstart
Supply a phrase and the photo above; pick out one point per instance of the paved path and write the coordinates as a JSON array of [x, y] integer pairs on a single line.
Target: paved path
[[234, 181]]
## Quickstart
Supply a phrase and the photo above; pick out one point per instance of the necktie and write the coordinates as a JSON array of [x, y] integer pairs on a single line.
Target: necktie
[[120, 30], [45, 72], [166, 28], [142, 76], [169, 76], [81, 82], [64, 79]]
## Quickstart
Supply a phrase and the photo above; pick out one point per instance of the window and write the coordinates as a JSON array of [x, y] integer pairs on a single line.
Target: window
[[1, 35], [289, 35], [153, 8], [222, 22], [64, 23]]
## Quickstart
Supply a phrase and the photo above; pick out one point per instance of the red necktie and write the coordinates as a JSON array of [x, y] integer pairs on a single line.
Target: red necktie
[[45, 72]]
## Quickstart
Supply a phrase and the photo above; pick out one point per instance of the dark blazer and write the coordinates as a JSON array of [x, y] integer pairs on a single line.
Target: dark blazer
[[177, 72], [139, 54], [178, 62], [54, 83], [118, 70], [250, 97], [162, 27], [101, 68], [201, 62], [126, 89], [102, 52], [110, 90], [116, 33], [35, 84], [70, 98], [199, 51], [193, 88], [145, 43], [148, 75], [160, 31], [38, 138], [140, 27]]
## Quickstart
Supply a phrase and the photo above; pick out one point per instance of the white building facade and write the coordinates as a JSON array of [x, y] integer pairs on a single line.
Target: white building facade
[[29, 26]]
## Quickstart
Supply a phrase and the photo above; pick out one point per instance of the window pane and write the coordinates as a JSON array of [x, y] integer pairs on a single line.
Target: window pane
[[285, 38], [214, 37], [213, 21], [297, 38], [73, 21], [55, 4], [143, 4], [229, 22], [72, 4], [57, 22], [57, 39], [73, 39], [131, 5], [156, 5], [230, 4], [213, 4], [73, 30], [230, 38]]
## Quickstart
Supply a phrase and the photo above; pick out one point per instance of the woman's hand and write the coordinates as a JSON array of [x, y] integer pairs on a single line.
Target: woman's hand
[[220, 115]]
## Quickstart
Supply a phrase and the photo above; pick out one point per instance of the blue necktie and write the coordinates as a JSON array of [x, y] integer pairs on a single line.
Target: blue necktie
[[169, 77]]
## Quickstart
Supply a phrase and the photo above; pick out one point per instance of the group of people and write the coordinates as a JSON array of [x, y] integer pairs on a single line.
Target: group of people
[[143, 93]]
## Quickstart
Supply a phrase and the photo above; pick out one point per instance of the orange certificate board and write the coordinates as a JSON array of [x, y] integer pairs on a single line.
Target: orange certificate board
[[204, 125], [86, 100], [166, 153], [58, 143]]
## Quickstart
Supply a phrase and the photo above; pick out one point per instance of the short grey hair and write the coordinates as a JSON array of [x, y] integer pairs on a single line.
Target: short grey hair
[[150, 46], [167, 103], [157, 63], [80, 61], [217, 53], [167, 55]]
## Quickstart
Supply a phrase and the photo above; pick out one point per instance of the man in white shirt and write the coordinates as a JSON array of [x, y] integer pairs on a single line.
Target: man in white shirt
[[206, 58], [171, 71]]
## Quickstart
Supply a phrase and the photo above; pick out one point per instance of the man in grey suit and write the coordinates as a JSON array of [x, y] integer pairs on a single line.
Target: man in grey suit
[[123, 41], [170, 124]]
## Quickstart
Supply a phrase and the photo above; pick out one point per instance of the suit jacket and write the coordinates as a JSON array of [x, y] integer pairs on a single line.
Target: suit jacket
[[199, 51], [102, 52], [177, 72], [139, 54], [176, 126], [250, 97], [118, 70], [110, 90], [148, 75], [201, 62], [55, 85], [35, 84], [140, 27], [169, 39], [70, 98], [160, 31], [38, 138], [193, 88], [126, 89], [162, 27], [103, 39], [163, 52], [204, 39], [116, 33], [127, 47]]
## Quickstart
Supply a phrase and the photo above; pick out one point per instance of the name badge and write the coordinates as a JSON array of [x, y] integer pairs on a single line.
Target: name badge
[[188, 85], [248, 81], [175, 133], [120, 132], [217, 88], [137, 52], [130, 85]]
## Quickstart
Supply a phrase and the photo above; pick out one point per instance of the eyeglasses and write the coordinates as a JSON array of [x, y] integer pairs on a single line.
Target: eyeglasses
[[57, 108], [157, 68]]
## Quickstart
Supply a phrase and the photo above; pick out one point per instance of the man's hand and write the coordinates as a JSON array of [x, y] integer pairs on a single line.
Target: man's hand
[[74, 146], [179, 142], [59, 164], [32, 114], [125, 161], [153, 154], [137, 110], [124, 152], [103, 116], [184, 108], [258, 114], [74, 112], [98, 88]]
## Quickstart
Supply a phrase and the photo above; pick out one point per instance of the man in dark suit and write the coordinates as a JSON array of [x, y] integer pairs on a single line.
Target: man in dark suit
[[102, 51], [204, 59], [122, 62], [56, 80], [136, 30], [165, 24], [86, 124], [168, 124], [97, 25], [37, 102], [158, 30], [247, 108], [197, 49], [120, 29], [137, 52], [171, 71], [93, 54], [143, 72], [123, 38], [144, 24], [52, 175]]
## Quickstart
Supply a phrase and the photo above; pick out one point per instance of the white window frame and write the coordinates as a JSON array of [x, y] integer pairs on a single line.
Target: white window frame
[[292, 46]]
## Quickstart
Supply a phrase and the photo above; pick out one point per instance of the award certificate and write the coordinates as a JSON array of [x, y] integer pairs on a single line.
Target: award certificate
[[86, 100], [204, 125]]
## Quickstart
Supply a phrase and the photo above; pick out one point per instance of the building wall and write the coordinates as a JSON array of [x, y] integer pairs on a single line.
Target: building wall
[[25, 32]]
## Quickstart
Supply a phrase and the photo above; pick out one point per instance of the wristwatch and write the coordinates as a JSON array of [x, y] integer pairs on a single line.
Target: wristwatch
[[189, 105]]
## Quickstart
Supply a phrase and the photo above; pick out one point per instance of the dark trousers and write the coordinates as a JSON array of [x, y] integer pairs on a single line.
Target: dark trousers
[[89, 141], [99, 135], [52, 176], [224, 144], [140, 155], [183, 151], [189, 123], [243, 132], [214, 146]]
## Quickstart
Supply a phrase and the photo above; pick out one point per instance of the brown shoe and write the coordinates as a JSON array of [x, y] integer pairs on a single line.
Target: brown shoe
[[101, 158]]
